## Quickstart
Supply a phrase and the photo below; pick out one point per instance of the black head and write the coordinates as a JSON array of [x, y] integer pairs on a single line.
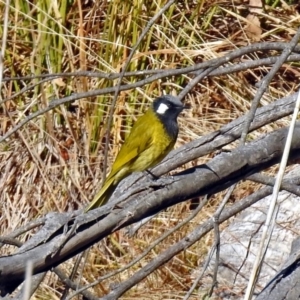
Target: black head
[[167, 108]]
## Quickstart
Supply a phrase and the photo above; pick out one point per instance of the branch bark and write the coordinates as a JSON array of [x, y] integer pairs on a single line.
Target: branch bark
[[141, 200]]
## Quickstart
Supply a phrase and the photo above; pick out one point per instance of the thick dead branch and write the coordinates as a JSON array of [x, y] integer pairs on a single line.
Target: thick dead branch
[[199, 232], [141, 200]]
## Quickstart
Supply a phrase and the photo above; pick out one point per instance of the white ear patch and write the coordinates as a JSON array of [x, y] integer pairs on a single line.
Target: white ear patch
[[162, 108]]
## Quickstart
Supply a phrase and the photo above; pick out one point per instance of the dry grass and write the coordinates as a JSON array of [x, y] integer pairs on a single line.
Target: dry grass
[[54, 162]]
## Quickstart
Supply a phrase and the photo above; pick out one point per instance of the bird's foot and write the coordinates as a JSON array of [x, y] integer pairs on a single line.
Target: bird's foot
[[154, 177]]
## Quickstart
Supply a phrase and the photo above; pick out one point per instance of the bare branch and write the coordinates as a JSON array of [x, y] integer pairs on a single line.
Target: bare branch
[[199, 68], [221, 172], [151, 247], [199, 232]]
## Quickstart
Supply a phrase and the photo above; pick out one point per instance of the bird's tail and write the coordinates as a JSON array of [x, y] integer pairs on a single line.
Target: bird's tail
[[103, 195]]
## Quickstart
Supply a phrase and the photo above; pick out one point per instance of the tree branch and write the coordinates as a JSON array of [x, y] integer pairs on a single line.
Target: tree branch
[[153, 196]]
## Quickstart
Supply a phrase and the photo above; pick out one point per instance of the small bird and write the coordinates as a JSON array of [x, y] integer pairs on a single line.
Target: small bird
[[151, 138]]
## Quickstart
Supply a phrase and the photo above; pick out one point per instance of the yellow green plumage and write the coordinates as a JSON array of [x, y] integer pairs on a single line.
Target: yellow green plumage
[[151, 138]]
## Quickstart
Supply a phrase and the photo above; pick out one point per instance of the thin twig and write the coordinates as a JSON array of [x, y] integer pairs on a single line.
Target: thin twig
[[10, 241], [23, 229], [72, 276], [216, 218], [71, 284], [198, 278]]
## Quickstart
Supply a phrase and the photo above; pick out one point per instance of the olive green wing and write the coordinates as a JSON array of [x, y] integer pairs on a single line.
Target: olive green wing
[[139, 139]]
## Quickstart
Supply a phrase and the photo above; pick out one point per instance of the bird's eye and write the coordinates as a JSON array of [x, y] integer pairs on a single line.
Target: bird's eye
[[162, 108]]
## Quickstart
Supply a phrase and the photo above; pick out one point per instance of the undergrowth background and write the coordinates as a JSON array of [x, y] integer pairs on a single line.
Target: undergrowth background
[[55, 162]]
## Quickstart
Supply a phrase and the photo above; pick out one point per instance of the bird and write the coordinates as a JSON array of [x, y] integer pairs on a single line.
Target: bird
[[151, 138]]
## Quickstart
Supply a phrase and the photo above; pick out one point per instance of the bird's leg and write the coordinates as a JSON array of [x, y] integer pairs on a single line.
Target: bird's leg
[[154, 177]]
